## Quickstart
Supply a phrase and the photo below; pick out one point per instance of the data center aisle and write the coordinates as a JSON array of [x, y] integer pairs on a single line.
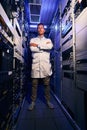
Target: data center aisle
[[43, 118]]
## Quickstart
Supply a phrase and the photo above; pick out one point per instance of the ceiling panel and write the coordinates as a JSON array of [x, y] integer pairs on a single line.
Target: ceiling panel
[[42, 11], [34, 12], [35, 1], [34, 18], [35, 8]]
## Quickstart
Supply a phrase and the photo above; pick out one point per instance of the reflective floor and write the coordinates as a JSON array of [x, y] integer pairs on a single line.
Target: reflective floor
[[43, 118]]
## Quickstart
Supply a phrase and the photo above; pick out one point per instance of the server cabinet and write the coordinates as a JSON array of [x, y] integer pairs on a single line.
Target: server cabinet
[[17, 88], [6, 83], [74, 62], [11, 68], [81, 50]]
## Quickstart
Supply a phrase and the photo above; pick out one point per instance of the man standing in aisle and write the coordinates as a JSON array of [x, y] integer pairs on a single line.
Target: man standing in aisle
[[41, 66]]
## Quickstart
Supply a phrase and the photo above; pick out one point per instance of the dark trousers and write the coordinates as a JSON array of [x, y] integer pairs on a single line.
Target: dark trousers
[[46, 83]]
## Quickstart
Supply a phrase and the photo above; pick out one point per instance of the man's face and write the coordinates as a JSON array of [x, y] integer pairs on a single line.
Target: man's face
[[41, 30]]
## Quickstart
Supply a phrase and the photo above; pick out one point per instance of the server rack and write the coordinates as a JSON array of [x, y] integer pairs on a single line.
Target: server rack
[[74, 61], [6, 84], [11, 71]]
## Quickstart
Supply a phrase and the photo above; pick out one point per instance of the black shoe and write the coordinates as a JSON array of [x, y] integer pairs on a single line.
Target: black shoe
[[50, 105], [31, 106]]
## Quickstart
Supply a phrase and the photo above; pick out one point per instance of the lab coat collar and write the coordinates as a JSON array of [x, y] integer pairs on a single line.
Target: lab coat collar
[[41, 37]]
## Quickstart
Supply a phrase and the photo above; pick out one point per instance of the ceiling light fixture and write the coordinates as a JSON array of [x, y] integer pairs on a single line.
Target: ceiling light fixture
[[35, 26]]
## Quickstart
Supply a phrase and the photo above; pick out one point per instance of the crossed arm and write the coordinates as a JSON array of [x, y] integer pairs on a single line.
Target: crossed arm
[[37, 48], [36, 45]]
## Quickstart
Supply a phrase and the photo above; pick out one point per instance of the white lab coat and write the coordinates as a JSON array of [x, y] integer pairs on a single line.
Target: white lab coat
[[41, 66]]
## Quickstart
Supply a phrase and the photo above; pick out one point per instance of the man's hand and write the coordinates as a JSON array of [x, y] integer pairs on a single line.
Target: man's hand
[[33, 44], [47, 42]]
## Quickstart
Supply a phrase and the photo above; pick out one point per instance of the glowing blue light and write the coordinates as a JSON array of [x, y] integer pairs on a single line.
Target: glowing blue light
[[56, 27], [35, 26], [63, 27]]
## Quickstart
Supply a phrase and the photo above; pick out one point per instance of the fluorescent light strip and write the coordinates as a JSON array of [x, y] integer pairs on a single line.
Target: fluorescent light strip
[[35, 26]]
